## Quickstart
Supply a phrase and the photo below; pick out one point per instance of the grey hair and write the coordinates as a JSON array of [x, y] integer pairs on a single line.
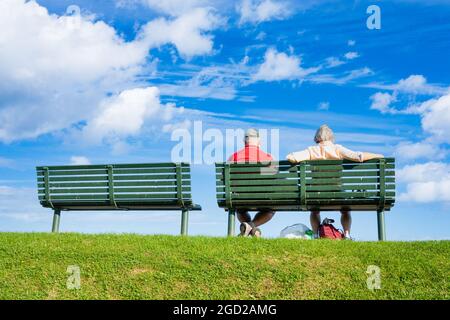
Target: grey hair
[[324, 133], [251, 136]]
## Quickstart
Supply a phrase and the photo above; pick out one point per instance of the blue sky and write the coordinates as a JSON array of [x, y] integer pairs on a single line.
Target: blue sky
[[108, 81]]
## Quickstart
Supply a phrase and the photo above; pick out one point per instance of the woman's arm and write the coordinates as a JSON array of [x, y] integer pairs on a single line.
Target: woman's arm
[[369, 156], [299, 156], [357, 156]]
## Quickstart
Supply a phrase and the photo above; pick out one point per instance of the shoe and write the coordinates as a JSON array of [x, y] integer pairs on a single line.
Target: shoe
[[347, 237], [256, 232], [245, 229]]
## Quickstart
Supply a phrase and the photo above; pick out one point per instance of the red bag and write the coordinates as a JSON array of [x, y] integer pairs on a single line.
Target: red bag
[[327, 230]]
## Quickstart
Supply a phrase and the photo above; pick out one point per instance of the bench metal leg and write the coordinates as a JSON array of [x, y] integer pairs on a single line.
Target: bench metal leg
[[231, 222], [56, 217], [381, 226], [184, 222]]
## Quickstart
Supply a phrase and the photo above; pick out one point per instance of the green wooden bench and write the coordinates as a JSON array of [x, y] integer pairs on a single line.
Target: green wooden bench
[[146, 186], [325, 185]]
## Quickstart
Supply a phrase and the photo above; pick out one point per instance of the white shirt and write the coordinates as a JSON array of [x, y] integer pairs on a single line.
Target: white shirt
[[326, 151]]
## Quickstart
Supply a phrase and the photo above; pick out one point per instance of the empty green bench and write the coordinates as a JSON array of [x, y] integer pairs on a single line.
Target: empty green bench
[[325, 185], [146, 186]]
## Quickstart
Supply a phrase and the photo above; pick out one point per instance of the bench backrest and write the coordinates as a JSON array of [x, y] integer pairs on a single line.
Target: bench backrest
[[310, 185], [115, 185]]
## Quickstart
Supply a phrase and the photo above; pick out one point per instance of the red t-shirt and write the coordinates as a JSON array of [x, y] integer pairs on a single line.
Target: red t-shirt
[[250, 154]]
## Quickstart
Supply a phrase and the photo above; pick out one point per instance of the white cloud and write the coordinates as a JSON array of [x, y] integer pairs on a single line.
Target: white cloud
[[79, 160], [419, 150], [280, 66], [49, 65], [188, 32], [124, 115], [382, 101], [170, 7], [257, 11], [414, 84], [427, 182], [436, 119], [325, 105], [341, 79], [261, 36], [216, 82], [55, 70], [351, 43], [435, 113], [351, 55], [333, 62]]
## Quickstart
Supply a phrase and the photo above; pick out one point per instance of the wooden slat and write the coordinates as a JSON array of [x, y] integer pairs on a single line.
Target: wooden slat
[[73, 179], [311, 202], [308, 188], [150, 177], [346, 174], [334, 174], [318, 181], [292, 182], [116, 171], [119, 177], [310, 162], [267, 195], [260, 176], [346, 187], [116, 190], [115, 166], [259, 189], [119, 196], [346, 195], [117, 184]]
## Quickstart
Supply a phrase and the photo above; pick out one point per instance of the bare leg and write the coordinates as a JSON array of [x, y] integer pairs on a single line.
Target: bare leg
[[262, 217], [314, 218], [346, 221], [244, 216]]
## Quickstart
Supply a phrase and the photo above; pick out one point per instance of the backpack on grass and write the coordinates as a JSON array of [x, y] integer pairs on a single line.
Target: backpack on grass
[[327, 230]]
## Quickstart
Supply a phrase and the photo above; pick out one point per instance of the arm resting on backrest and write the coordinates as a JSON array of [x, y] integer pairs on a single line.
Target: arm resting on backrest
[[299, 156], [369, 156]]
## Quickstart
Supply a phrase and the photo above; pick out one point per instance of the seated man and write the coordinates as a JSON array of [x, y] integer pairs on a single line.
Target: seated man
[[326, 149], [252, 153]]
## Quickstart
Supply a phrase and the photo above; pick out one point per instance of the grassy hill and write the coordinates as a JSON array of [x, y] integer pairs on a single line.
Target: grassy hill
[[33, 266]]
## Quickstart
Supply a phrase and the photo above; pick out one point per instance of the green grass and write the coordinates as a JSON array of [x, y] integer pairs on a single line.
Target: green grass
[[33, 266]]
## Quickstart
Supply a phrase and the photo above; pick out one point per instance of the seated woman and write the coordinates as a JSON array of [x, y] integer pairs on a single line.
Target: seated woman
[[326, 149]]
